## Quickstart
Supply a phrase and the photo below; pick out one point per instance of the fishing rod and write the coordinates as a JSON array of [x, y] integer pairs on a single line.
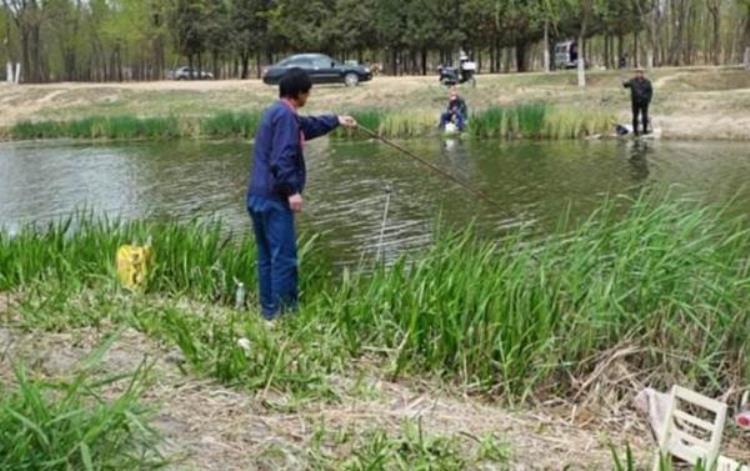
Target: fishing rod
[[431, 166]]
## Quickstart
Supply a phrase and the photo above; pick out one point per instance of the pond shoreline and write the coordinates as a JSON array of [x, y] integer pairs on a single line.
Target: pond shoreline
[[696, 103]]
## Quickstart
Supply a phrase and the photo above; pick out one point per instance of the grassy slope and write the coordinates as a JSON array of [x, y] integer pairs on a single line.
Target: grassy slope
[[692, 103]]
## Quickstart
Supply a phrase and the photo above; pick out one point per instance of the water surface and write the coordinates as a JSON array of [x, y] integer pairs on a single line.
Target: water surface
[[533, 182]]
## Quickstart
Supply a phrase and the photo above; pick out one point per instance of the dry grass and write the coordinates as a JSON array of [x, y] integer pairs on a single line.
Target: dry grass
[[234, 430]]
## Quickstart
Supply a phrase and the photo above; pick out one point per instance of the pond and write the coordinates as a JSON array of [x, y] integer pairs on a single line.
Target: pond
[[535, 183]]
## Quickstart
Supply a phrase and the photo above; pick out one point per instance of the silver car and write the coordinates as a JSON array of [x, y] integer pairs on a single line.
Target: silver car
[[183, 73]]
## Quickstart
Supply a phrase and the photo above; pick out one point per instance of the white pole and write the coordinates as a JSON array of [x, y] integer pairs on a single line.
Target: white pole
[[747, 58], [18, 73], [9, 72]]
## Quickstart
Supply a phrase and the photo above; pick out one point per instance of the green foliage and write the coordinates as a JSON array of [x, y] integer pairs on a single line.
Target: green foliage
[[119, 40], [534, 121], [230, 125], [509, 316], [411, 448], [47, 425], [202, 259], [539, 121]]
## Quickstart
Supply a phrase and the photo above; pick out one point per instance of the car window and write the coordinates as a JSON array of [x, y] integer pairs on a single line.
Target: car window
[[299, 62], [323, 62]]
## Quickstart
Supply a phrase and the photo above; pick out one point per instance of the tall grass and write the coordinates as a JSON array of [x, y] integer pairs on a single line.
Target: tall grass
[[516, 316], [534, 121], [572, 123], [69, 425], [408, 124], [201, 259], [539, 121], [229, 124]]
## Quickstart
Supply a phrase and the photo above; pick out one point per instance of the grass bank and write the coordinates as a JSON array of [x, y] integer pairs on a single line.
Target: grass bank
[[666, 281], [689, 102], [536, 121]]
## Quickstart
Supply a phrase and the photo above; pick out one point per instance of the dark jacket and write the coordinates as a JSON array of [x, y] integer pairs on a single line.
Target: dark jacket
[[640, 90], [458, 106], [278, 162]]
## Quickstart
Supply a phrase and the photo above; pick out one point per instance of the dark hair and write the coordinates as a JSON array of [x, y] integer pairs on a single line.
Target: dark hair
[[294, 82]]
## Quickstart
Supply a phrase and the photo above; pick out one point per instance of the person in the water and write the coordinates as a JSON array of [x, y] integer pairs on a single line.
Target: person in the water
[[641, 93], [456, 113], [277, 182]]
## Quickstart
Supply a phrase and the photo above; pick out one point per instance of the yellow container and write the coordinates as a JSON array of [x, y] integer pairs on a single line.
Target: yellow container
[[134, 263]]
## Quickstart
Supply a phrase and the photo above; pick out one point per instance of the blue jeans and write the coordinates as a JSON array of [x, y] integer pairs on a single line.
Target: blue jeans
[[273, 223], [447, 117]]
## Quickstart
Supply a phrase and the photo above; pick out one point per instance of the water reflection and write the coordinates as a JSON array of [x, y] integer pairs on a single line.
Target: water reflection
[[534, 182]]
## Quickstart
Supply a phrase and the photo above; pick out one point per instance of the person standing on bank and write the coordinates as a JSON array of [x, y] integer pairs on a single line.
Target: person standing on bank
[[641, 93], [277, 181]]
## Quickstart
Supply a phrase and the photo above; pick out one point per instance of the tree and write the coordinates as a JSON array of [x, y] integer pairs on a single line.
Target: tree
[[745, 5], [549, 13], [714, 9], [217, 32], [390, 22], [187, 26], [249, 30], [28, 19]]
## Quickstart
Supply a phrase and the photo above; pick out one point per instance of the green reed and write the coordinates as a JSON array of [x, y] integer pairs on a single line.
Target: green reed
[[67, 424], [512, 316]]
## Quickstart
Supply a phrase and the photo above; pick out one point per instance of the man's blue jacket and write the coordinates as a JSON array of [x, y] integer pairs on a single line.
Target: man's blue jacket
[[278, 163]]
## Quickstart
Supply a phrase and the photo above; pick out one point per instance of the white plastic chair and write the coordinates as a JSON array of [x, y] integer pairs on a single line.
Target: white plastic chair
[[689, 437]]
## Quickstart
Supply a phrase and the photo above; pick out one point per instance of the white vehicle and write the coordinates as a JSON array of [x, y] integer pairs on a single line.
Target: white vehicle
[[566, 55], [183, 73]]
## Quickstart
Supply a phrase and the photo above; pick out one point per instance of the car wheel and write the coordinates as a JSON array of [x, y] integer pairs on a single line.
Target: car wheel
[[351, 79]]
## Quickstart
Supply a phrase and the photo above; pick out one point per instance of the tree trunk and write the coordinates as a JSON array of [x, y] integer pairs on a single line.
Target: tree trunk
[[581, 66], [521, 56], [244, 64], [424, 61], [716, 17], [606, 50], [546, 47], [215, 64], [581, 62]]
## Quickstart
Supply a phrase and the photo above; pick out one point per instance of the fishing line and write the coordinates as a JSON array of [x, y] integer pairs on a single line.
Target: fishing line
[[432, 167], [385, 221]]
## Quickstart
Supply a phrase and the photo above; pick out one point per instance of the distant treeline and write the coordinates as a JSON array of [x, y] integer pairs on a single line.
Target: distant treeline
[[114, 40]]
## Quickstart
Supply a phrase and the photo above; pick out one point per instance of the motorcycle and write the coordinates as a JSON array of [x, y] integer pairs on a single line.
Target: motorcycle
[[463, 73]]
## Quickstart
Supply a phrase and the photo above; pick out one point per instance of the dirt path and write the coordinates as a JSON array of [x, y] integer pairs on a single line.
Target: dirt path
[[210, 427]]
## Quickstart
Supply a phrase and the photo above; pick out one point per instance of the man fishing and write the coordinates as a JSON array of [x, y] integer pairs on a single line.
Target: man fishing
[[275, 189], [456, 113], [640, 97]]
